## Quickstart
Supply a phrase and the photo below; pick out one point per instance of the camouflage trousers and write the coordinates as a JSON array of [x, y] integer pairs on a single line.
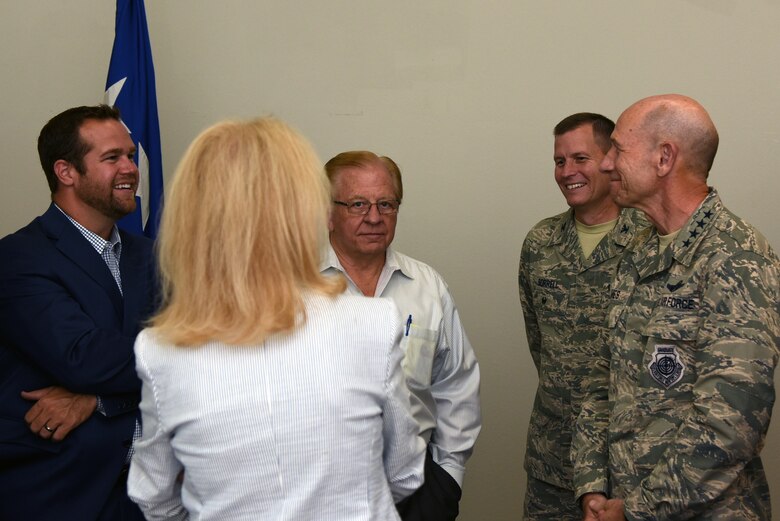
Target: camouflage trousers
[[546, 502]]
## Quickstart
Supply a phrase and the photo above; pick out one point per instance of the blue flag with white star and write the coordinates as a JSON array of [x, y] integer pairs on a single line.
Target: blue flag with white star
[[130, 87]]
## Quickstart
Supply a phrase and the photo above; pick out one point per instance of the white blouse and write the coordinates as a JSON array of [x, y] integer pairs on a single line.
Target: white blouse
[[313, 424]]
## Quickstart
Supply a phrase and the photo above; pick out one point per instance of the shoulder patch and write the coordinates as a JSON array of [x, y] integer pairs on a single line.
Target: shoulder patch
[[665, 367]]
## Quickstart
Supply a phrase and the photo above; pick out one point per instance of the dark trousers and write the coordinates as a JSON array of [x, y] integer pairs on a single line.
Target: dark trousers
[[119, 507], [436, 500]]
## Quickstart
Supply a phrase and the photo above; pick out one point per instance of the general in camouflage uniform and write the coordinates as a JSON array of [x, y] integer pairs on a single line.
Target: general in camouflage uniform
[[564, 299], [681, 399]]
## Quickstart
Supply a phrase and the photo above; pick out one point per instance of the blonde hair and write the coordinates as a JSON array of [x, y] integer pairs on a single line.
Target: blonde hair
[[241, 235]]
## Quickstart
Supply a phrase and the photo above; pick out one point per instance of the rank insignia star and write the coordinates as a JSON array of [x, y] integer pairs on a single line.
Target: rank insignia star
[[694, 233]]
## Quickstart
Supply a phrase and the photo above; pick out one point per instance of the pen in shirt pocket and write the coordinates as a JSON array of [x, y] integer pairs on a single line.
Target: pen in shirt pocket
[[408, 325]]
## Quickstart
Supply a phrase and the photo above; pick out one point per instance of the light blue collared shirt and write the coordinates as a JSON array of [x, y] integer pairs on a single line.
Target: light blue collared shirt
[[441, 369]]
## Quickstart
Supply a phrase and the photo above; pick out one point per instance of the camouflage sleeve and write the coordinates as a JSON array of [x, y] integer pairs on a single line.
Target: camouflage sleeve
[[736, 354], [532, 331], [589, 451]]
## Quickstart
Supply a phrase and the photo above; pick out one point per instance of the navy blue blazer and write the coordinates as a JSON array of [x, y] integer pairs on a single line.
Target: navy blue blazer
[[64, 322]]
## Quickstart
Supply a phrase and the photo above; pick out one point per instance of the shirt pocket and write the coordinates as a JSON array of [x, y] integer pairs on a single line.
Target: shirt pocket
[[668, 368], [419, 347], [550, 305], [550, 296], [647, 451], [673, 325]]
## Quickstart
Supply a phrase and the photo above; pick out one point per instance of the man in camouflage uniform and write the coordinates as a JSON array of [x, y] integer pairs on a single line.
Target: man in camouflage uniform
[[566, 266], [674, 422]]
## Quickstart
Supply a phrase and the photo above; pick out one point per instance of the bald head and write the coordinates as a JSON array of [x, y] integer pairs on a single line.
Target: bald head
[[682, 120]]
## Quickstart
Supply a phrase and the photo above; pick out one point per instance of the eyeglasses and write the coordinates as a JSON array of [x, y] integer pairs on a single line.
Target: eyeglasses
[[362, 207]]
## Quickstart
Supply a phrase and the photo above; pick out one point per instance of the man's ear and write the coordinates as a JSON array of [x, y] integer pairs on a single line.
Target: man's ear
[[65, 172], [330, 221], [667, 158]]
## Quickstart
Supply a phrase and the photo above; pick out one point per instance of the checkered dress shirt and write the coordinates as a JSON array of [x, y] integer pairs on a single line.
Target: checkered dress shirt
[[111, 251]]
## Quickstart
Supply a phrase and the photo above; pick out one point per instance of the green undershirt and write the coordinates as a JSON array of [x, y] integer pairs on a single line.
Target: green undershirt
[[665, 240], [590, 236]]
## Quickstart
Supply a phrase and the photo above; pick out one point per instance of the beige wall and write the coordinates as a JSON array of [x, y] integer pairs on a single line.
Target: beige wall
[[463, 94]]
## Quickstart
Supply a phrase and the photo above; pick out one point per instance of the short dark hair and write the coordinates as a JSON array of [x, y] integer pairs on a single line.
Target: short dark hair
[[602, 127], [60, 138]]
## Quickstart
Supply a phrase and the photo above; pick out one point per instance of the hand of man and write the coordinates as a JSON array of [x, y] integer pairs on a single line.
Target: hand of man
[[592, 506], [57, 411], [613, 511]]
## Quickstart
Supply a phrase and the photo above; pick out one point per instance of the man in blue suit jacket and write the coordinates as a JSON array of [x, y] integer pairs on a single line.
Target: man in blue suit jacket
[[74, 291]]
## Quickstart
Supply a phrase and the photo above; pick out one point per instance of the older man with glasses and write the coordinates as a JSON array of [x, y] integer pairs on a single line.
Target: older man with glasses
[[441, 369]]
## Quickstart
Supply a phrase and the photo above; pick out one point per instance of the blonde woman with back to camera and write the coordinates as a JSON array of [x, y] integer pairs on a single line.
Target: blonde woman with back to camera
[[267, 394]]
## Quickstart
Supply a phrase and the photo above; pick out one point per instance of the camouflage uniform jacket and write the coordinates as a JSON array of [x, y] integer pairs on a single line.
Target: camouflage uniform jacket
[[564, 301], [689, 363]]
